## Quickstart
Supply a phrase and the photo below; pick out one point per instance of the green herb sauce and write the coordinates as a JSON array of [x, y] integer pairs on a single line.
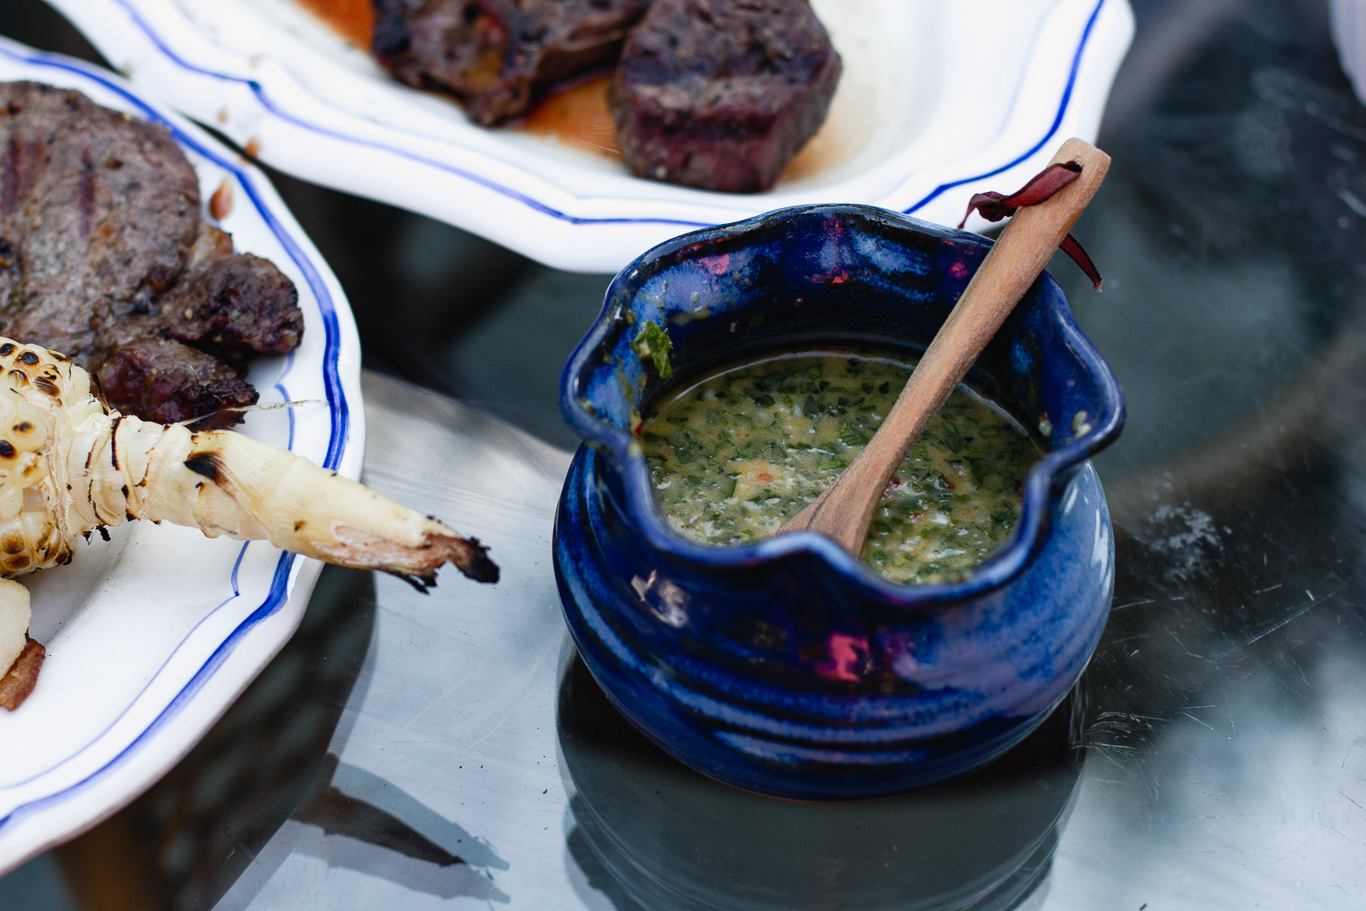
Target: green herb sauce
[[737, 454], [653, 344]]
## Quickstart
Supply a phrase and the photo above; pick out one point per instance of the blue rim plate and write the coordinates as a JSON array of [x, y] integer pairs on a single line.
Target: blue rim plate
[[152, 634], [938, 100]]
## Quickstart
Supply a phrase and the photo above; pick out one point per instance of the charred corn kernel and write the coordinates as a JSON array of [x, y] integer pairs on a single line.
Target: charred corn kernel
[[11, 497], [29, 469], [27, 429], [69, 466]]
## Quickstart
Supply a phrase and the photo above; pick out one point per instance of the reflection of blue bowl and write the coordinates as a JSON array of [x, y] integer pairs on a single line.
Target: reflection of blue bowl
[[786, 666], [650, 834]]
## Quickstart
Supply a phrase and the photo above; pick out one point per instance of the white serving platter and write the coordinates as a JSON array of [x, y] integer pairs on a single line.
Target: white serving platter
[[152, 634], [938, 100]]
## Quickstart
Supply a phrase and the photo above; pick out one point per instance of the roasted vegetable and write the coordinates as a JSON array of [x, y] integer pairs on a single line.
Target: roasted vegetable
[[20, 656], [69, 466]]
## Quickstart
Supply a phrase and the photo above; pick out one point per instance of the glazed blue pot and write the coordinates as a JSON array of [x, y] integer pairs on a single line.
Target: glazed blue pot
[[787, 666]]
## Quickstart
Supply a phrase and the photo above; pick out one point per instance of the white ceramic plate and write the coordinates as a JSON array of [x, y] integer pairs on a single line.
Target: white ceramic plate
[[938, 100], [152, 634]]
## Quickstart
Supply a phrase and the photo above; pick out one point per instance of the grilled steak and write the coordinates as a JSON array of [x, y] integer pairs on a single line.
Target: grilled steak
[[721, 94], [104, 256], [497, 56]]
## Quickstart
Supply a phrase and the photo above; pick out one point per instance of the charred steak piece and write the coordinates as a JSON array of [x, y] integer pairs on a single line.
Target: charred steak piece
[[721, 94], [159, 379], [498, 56], [104, 256]]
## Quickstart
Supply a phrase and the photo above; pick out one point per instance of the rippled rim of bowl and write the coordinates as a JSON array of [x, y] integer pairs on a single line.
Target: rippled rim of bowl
[[1049, 472]]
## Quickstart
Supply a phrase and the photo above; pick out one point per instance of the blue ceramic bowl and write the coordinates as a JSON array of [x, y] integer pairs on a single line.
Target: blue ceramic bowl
[[786, 666]]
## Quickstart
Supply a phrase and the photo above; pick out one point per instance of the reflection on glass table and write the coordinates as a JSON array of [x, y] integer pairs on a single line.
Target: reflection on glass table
[[651, 834]]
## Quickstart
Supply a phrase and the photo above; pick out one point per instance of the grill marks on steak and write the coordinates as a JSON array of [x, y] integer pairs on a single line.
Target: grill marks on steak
[[104, 256], [90, 201], [721, 94], [498, 56]]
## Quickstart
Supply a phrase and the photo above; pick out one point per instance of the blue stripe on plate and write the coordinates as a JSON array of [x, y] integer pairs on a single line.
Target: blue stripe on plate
[[545, 209], [1052, 129]]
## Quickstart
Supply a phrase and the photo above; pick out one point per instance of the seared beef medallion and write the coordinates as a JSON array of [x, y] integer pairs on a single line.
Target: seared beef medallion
[[721, 94], [104, 257], [498, 56]]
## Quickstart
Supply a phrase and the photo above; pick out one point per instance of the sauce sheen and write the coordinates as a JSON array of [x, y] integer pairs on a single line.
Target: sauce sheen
[[736, 455]]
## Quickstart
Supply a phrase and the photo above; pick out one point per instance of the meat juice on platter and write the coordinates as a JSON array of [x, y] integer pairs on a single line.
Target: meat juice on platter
[[735, 455], [542, 67], [577, 116], [354, 20]]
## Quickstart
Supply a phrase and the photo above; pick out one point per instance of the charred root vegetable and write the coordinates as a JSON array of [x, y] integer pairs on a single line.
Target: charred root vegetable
[[69, 466]]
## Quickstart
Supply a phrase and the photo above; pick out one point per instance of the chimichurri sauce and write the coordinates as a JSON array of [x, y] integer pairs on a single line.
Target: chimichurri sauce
[[736, 455]]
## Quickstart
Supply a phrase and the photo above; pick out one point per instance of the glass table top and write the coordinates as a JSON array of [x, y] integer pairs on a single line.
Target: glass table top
[[451, 751]]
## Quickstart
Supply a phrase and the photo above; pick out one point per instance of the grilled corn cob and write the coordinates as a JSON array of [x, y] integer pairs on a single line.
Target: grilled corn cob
[[69, 467]]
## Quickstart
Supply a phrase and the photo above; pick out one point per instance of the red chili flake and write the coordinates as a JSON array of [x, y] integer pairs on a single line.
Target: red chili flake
[[994, 206], [639, 429], [765, 477]]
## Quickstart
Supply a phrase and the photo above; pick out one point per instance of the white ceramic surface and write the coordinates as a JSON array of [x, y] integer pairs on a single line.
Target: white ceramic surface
[[1347, 19], [151, 635], [938, 100]]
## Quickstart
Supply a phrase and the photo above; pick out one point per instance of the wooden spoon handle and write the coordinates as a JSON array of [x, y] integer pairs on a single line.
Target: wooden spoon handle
[[845, 510]]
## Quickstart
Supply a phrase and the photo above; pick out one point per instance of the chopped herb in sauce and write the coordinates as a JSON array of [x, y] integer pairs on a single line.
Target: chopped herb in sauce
[[653, 344], [736, 455]]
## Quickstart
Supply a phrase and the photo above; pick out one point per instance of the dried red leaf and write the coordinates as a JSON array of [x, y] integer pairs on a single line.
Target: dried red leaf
[[995, 206], [1073, 248]]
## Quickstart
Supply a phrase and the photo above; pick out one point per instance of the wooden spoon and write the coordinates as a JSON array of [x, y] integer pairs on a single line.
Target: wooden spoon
[[845, 510]]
